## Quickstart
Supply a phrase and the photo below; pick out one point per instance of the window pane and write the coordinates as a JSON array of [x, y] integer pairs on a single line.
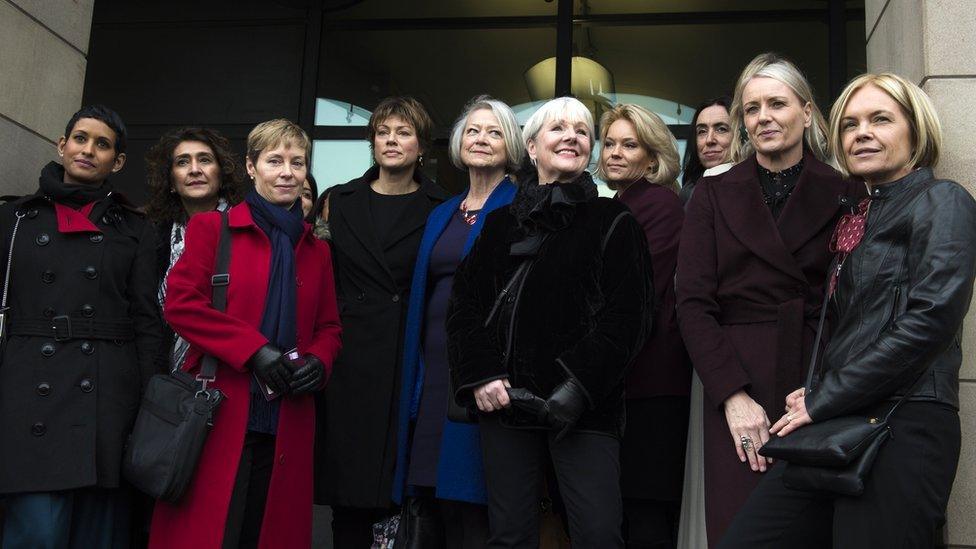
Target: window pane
[[339, 160]]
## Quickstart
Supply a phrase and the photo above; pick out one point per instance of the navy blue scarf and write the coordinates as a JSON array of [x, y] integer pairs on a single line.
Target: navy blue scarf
[[283, 227]]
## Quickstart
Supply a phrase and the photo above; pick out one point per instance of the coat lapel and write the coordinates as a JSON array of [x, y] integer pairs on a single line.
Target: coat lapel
[[740, 201], [812, 205]]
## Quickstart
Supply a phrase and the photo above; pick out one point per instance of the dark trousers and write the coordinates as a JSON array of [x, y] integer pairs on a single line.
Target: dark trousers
[[903, 504], [651, 524], [87, 518], [352, 527], [587, 467], [453, 524], [247, 501]]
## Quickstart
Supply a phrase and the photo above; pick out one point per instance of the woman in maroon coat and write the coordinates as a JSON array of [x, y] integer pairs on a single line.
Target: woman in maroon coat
[[751, 268], [253, 485], [639, 159]]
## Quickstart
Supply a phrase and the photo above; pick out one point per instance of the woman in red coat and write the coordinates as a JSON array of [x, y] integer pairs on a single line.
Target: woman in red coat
[[253, 485], [751, 268]]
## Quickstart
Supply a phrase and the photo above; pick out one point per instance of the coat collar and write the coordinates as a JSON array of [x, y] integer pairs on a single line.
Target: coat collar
[[813, 204], [360, 219], [239, 217]]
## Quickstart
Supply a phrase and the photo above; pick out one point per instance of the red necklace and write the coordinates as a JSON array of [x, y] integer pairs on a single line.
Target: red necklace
[[469, 217]]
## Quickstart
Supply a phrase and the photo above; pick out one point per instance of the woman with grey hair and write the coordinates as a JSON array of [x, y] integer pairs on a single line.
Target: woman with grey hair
[[548, 310], [438, 471], [751, 267]]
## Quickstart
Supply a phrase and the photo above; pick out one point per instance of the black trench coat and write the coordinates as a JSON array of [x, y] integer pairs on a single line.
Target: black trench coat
[[68, 399], [356, 426]]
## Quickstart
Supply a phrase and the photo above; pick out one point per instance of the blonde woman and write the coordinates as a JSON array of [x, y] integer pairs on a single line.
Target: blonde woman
[[900, 299], [751, 267], [639, 159]]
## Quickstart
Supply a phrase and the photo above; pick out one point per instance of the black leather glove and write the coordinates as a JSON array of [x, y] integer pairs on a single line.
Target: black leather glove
[[565, 405], [309, 377], [560, 411], [526, 401], [268, 363]]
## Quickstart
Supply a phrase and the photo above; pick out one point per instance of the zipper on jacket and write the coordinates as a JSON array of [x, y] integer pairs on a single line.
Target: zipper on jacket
[[894, 310]]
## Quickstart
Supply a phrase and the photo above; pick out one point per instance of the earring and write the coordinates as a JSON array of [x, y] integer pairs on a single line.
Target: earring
[[172, 190], [420, 160]]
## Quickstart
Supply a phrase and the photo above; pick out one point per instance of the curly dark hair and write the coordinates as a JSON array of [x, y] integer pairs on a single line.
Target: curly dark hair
[[164, 206]]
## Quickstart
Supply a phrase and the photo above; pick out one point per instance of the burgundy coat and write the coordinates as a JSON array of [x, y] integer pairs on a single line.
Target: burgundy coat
[[662, 366], [199, 518], [749, 291]]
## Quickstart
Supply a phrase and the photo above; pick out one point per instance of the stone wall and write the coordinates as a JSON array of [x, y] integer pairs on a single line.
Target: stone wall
[[933, 42], [43, 54]]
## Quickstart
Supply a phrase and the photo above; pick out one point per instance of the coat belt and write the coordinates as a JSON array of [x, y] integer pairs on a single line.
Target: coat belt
[[66, 327]]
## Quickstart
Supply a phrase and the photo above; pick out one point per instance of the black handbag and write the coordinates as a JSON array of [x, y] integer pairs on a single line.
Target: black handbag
[[833, 455], [4, 318], [177, 411]]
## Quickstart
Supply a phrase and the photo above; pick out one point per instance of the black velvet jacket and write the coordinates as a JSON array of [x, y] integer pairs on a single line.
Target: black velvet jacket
[[578, 303], [901, 299]]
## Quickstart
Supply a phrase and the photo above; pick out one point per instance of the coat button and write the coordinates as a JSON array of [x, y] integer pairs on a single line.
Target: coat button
[[96, 238], [42, 239], [298, 281], [49, 312], [361, 296], [396, 298], [87, 347], [43, 388], [47, 277], [47, 349], [281, 459], [38, 429], [32, 213], [87, 311], [86, 386], [91, 273]]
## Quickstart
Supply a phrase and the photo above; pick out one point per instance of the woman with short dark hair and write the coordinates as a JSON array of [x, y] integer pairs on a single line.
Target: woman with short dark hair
[[376, 222]]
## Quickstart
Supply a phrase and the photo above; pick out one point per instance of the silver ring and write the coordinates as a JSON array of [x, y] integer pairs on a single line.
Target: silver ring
[[746, 442]]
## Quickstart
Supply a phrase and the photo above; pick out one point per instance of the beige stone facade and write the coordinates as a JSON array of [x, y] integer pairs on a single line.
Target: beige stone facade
[[43, 54], [933, 42]]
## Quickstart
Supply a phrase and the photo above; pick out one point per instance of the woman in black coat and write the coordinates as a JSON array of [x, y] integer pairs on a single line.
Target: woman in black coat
[[376, 223], [548, 310], [82, 335], [190, 170], [907, 260]]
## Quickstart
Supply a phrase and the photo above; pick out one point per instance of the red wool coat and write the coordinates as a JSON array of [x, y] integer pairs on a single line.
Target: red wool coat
[[199, 518]]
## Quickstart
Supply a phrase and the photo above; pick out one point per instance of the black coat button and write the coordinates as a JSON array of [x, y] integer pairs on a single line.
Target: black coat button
[[86, 386], [96, 238], [87, 347], [47, 277], [43, 388], [87, 311], [91, 273], [38, 429], [47, 349], [32, 213], [42, 239], [361, 296], [49, 312], [396, 298]]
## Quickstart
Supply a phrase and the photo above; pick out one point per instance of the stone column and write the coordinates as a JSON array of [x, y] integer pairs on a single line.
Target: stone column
[[933, 43], [43, 54]]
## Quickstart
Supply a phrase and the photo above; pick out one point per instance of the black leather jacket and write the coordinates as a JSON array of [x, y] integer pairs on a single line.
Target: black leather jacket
[[901, 299]]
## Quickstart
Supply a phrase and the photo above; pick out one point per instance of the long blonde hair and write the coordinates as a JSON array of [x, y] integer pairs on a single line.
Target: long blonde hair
[[770, 65]]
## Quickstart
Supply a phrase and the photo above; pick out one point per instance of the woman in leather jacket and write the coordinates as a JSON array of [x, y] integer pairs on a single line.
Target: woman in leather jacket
[[548, 310], [899, 301]]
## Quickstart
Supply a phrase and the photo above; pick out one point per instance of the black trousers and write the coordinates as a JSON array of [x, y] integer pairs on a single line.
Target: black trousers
[[246, 511], [903, 504], [587, 467], [452, 524]]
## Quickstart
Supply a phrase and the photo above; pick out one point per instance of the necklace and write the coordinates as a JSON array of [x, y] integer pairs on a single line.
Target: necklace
[[468, 216]]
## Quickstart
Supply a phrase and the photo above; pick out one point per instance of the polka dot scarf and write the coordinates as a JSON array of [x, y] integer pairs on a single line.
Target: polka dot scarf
[[847, 235]]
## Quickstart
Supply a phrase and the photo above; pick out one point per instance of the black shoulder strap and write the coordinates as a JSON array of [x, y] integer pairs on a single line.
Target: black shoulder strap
[[219, 282]]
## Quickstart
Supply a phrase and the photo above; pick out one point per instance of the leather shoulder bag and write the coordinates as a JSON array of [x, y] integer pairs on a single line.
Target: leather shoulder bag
[[833, 455], [177, 411]]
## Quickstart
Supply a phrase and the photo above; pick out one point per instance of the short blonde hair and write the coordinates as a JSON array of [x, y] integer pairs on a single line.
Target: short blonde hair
[[653, 135], [770, 65], [514, 147], [569, 108], [917, 107], [270, 134]]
